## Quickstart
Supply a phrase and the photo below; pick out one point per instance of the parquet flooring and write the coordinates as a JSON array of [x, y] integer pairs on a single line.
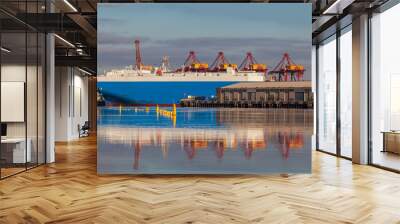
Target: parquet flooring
[[70, 191]]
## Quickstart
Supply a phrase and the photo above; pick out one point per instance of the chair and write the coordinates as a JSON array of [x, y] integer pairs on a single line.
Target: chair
[[84, 130]]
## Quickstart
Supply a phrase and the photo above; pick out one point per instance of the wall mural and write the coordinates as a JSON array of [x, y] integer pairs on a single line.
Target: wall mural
[[204, 88]]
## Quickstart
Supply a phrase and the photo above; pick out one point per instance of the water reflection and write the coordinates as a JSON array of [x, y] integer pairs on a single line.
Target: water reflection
[[216, 140]]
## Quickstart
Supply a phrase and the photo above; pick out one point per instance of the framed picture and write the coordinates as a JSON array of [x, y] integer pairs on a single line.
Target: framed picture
[[204, 88]]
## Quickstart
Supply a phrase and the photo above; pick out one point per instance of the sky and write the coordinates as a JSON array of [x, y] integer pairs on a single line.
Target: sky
[[266, 30]]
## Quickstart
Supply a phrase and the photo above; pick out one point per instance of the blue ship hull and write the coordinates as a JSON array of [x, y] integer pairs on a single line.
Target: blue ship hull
[[141, 93]]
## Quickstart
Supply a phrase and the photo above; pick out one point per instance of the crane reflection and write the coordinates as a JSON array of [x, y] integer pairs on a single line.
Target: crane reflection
[[219, 136], [191, 141]]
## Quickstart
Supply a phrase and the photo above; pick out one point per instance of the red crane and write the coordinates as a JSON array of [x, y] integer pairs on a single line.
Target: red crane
[[193, 64], [248, 151], [250, 64], [284, 144], [286, 67], [138, 62], [221, 63], [190, 150], [137, 150], [220, 149]]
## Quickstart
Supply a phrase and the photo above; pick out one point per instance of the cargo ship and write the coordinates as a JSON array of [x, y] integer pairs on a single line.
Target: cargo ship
[[153, 92], [141, 87], [146, 84], [132, 75]]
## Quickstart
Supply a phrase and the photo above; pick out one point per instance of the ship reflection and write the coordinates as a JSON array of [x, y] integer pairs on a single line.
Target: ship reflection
[[203, 140], [190, 141]]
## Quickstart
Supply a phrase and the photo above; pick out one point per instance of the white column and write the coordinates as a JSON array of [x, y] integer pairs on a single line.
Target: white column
[[50, 92], [360, 90], [50, 99]]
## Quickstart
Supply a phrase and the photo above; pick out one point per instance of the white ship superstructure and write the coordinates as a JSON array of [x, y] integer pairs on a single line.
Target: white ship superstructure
[[133, 75], [194, 70]]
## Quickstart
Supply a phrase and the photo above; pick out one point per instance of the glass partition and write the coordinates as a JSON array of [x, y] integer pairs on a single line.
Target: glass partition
[[22, 88], [31, 97], [385, 89], [41, 97], [327, 95], [314, 88], [346, 92], [14, 153]]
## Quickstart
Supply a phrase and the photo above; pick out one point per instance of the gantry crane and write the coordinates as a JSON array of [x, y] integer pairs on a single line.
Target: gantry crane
[[192, 64], [221, 64], [250, 64], [285, 68]]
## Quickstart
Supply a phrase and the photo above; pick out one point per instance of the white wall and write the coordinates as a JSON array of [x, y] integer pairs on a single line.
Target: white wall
[[33, 126], [11, 73], [62, 82], [80, 109], [71, 102]]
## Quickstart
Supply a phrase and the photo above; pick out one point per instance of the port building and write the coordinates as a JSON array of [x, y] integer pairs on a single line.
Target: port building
[[267, 94]]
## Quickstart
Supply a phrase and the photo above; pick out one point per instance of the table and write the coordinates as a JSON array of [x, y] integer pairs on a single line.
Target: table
[[16, 146], [391, 141]]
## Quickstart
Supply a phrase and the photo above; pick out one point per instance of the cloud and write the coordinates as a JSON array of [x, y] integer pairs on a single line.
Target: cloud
[[112, 39], [109, 22]]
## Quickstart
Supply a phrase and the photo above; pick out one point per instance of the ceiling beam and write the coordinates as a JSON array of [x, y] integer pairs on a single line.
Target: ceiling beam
[[86, 27], [77, 61]]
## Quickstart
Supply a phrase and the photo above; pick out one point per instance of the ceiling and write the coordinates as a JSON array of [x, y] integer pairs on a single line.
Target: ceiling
[[75, 21]]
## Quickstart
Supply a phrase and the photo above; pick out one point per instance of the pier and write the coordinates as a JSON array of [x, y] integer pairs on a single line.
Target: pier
[[171, 114], [258, 95]]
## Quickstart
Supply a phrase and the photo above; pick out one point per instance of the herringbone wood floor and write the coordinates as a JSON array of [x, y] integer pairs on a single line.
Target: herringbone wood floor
[[70, 191]]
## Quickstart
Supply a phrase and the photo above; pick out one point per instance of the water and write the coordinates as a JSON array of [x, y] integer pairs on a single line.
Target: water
[[138, 140], [156, 92]]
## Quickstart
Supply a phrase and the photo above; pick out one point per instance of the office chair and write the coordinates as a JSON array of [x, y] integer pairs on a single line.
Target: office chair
[[84, 130]]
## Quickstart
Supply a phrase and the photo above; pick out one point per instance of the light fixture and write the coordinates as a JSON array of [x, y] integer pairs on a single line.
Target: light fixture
[[84, 71], [337, 7], [5, 50], [80, 51], [64, 40], [329, 9], [70, 5]]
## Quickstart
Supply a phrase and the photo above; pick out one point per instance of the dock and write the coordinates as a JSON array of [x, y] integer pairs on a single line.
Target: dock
[[288, 94]]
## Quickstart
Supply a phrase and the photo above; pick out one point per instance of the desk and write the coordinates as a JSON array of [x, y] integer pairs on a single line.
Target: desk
[[391, 141], [16, 147]]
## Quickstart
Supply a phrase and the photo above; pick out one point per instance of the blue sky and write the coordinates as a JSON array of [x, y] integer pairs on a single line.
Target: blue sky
[[267, 30]]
